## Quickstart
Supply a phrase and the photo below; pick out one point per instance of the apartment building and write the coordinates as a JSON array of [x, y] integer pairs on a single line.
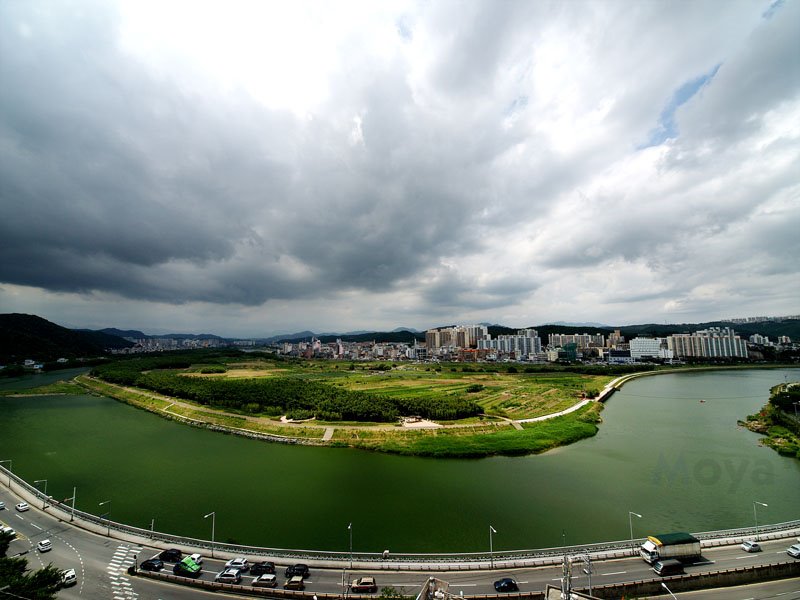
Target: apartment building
[[714, 342]]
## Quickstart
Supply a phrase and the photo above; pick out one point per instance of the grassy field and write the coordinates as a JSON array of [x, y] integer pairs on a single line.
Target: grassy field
[[503, 396], [514, 396]]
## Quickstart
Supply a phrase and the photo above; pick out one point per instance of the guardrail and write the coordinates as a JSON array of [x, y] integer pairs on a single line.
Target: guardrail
[[393, 561]]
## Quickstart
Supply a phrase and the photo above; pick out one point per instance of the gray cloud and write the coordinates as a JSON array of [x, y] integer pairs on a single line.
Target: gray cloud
[[484, 161]]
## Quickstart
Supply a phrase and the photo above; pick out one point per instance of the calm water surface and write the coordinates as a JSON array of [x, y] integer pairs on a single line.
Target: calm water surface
[[681, 463]]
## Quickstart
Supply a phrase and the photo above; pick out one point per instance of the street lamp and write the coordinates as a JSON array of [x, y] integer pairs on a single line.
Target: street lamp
[[491, 548], [74, 494], [350, 530], [106, 514], [755, 514], [213, 515], [9, 470], [664, 585], [44, 500], [630, 523]]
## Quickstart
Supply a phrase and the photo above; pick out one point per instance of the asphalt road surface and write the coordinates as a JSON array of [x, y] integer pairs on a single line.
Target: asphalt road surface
[[101, 565]]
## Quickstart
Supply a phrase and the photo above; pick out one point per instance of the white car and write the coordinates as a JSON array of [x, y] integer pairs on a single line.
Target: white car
[[68, 577], [265, 580], [229, 576], [2, 505], [22, 506], [44, 546], [750, 546], [794, 551], [5, 529], [240, 562], [198, 558]]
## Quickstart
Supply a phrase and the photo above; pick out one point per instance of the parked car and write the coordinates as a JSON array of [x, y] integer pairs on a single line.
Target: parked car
[[68, 577], [229, 576], [22, 506], [506, 584], [294, 583], [171, 555], [152, 564], [44, 545], [298, 569], [750, 546], [669, 566], [240, 563], [794, 551], [198, 558], [364, 584], [260, 568], [265, 580]]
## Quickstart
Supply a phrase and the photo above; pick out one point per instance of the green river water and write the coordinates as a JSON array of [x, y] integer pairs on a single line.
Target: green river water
[[683, 464]]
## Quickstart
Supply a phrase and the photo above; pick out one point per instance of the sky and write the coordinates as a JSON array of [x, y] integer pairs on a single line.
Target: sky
[[252, 168]]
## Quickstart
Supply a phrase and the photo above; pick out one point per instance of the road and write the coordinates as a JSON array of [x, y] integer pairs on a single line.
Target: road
[[101, 564]]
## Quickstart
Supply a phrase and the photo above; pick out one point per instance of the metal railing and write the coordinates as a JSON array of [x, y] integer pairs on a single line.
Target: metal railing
[[466, 560]]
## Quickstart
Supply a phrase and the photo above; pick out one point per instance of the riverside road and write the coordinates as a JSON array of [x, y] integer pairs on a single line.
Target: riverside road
[[101, 564]]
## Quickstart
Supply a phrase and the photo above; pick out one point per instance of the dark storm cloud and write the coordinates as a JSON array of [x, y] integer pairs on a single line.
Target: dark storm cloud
[[481, 159], [116, 180]]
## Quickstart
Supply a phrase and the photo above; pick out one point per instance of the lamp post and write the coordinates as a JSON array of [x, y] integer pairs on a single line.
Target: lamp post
[[152, 525], [106, 515], [492, 530], [10, 464], [74, 494], [350, 531], [213, 515], [632, 514], [664, 585], [44, 500], [755, 514]]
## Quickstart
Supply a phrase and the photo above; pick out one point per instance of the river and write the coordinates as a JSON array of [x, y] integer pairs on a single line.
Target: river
[[683, 464]]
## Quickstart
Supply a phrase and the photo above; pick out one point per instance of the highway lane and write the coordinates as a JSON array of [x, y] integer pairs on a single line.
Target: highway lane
[[101, 564], [529, 579]]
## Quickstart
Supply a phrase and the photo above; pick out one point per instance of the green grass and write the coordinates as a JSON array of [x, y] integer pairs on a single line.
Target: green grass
[[453, 443], [509, 395], [59, 387]]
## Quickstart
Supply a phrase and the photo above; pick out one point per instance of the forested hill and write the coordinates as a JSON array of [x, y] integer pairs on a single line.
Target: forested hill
[[28, 336]]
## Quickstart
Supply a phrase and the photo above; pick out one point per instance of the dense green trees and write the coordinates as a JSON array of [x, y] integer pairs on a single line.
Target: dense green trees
[[297, 398]]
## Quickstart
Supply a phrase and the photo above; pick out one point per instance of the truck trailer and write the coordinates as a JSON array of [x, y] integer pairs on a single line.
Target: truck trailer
[[681, 546]]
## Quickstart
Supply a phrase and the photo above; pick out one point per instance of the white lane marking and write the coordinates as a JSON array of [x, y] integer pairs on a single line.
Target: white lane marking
[[19, 517], [37, 527], [615, 573]]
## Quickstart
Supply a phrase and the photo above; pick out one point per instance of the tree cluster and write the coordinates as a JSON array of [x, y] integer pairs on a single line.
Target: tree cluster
[[297, 398]]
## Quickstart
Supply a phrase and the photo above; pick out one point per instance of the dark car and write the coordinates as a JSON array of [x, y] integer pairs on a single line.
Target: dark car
[[152, 564], [668, 567], [506, 584], [264, 567], [171, 555], [298, 569]]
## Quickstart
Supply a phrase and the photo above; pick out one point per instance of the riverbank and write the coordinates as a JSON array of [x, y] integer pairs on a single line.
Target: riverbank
[[486, 436], [781, 429], [482, 436]]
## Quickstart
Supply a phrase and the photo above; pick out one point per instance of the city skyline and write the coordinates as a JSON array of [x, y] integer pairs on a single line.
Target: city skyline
[[251, 169]]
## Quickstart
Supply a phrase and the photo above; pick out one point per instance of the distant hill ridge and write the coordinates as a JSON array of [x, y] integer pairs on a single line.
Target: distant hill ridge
[[24, 336], [30, 337]]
